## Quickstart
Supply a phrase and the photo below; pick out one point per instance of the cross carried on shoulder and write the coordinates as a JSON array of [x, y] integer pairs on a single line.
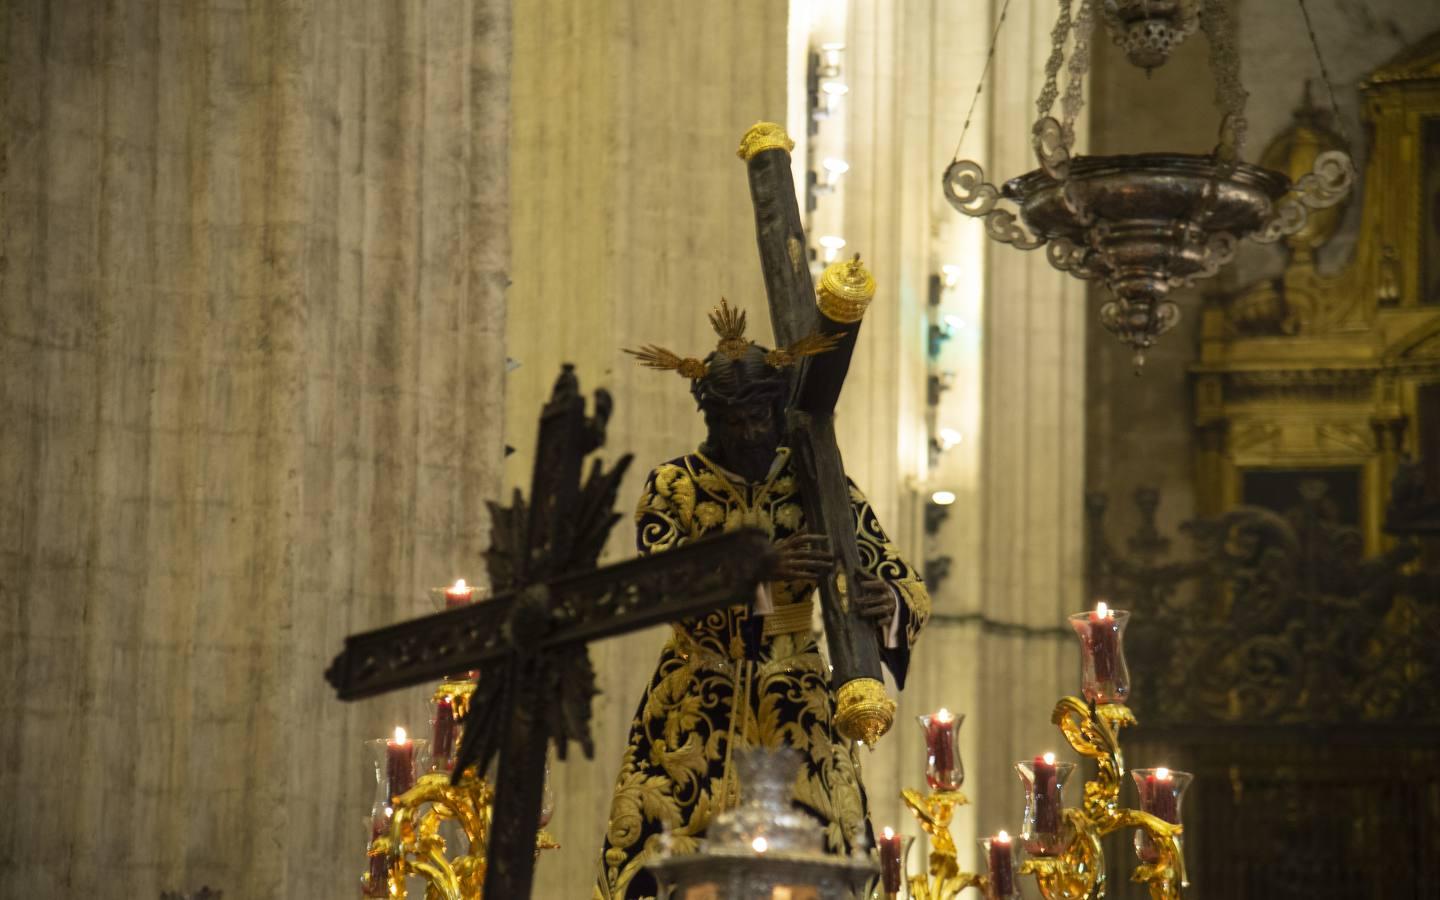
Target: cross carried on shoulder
[[529, 642], [862, 710]]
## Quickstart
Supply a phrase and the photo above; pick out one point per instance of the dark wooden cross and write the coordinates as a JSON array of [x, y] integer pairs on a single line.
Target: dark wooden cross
[[810, 426], [529, 642]]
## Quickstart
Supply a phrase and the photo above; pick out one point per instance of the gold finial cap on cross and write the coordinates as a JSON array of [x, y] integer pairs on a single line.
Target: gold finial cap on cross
[[764, 136], [845, 291]]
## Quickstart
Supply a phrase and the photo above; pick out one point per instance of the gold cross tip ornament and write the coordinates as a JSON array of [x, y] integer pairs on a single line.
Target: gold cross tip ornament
[[845, 291], [764, 136]]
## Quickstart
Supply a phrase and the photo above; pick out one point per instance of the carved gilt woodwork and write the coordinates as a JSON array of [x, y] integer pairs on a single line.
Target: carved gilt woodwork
[[1319, 371]]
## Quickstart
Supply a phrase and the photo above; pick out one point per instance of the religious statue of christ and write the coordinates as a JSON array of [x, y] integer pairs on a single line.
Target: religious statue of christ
[[745, 676]]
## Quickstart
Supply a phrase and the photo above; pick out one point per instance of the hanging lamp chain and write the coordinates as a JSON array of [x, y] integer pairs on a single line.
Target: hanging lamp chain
[[1324, 72], [1058, 36], [984, 73], [1079, 67], [1230, 94]]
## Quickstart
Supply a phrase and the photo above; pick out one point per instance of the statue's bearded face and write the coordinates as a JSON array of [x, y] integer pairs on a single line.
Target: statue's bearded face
[[745, 428], [743, 401]]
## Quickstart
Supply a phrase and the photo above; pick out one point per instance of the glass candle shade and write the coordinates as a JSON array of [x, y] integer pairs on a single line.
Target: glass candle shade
[[376, 880], [1000, 858], [396, 761], [891, 852], [460, 594], [1104, 677], [1044, 780], [1161, 791], [547, 799], [943, 769]]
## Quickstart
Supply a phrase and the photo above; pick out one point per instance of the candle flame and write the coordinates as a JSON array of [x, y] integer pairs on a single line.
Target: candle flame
[[760, 845], [460, 586], [399, 735], [1049, 759], [1102, 610], [944, 715], [1003, 837], [1162, 773], [889, 833]]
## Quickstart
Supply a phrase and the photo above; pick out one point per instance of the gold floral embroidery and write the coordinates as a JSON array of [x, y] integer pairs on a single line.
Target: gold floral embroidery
[[712, 693], [787, 515], [710, 514], [676, 492]]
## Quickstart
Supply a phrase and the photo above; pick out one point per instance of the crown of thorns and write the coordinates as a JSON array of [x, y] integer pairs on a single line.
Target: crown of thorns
[[729, 324]]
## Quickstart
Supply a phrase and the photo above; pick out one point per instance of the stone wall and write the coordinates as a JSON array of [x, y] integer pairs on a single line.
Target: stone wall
[[251, 322]]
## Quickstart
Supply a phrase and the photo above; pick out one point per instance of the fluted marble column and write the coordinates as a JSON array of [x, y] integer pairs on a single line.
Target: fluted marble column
[[1032, 462], [632, 218], [995, 649], [251, 312]]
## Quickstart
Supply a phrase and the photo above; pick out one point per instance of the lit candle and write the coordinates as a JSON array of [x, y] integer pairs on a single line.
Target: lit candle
[[890, 861], [458, 594], [760, 845], [1002, 866], [442, 736], [940, 738], [1047, 795], [1160, 796], [1103, 642], [400, 763]]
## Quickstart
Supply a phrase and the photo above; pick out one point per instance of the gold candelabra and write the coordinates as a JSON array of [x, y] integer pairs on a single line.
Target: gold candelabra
[[1072, 867], [414, 844], [943, 879]]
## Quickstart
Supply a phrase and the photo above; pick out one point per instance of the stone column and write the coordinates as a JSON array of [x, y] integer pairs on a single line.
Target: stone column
[[631, 219], [1032, 462], [996, 648], [251, 314]]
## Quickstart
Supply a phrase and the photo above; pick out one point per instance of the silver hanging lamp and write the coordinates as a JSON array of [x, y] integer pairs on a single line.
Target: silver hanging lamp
[[1147, 223]]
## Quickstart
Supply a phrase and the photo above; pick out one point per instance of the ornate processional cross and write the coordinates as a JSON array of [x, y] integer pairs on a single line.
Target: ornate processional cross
[[529, 641]]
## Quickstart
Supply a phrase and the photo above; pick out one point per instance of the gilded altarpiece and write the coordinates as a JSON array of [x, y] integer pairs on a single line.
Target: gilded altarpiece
[[1286, 645], [1312, 375]]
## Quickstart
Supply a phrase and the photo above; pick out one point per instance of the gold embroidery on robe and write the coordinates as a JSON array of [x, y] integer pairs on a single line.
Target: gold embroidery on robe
[[722, 684]]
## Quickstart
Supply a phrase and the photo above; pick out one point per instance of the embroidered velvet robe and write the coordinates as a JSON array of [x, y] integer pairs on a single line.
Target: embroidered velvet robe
[[735, 679]]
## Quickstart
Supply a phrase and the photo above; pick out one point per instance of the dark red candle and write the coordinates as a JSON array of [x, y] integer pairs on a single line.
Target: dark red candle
[[1002, 866], [1159, 799], [458, 594], [400, 763], [1047, 795], [377, 883], [1103, 642], [442, 735], [940, 736], [890, 861]]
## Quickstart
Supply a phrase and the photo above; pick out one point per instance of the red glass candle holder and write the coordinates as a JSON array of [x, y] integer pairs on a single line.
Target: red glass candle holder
[[944, 770], [892, 852], [459, 594], [1161, 791], [1000, 858], [1044, 824], [444, 736], [1103, 674]]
